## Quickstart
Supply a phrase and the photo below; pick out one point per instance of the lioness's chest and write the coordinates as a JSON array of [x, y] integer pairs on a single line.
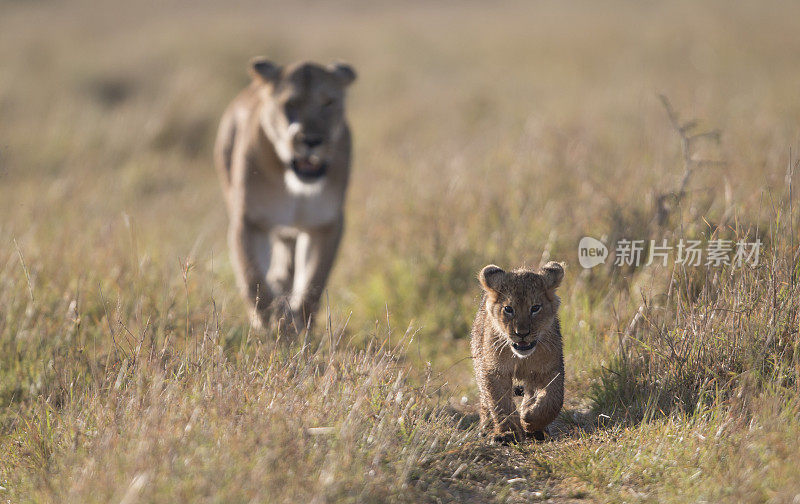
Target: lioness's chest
[[280, 208]]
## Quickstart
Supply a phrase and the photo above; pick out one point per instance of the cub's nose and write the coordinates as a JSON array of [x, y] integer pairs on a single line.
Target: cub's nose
[[522, 335]]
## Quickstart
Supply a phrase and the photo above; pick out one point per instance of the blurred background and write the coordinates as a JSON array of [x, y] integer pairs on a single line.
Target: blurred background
[[484, 133]]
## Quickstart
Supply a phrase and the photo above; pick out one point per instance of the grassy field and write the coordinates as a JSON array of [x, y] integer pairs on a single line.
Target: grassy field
[[497, 133]]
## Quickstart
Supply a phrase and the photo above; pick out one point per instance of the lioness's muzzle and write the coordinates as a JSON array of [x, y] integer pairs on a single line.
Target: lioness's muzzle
[[307, 169]]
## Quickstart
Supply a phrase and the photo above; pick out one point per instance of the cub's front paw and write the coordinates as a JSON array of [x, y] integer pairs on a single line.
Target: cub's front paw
[[537, 435]]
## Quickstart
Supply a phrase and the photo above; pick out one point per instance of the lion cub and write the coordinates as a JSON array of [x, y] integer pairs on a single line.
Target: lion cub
[[516, 336]]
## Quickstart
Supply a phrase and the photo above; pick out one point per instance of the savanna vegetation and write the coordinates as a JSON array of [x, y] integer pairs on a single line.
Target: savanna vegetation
[[484, 133]]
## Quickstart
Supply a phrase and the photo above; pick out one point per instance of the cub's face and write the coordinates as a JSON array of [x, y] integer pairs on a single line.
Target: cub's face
[[303, 114], [522, 304]]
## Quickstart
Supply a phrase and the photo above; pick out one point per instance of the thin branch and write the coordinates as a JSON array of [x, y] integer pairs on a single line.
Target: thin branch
[[690, 162]]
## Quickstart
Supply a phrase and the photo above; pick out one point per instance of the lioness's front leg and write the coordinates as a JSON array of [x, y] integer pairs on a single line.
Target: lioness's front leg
[[251, 251], [280, 274], [315, 251]]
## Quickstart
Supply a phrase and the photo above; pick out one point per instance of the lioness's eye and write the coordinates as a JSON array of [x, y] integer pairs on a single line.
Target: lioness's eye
[[328, 102], [291, 110], [535, 308], [508, 310]]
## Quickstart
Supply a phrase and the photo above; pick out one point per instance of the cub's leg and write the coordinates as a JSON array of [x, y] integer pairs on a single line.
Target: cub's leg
[[541, 404], [314, 255], [485, 424], [251, 252], [500, 403]]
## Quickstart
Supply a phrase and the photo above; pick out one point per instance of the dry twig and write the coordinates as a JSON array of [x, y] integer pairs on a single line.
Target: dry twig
[[689, 137]]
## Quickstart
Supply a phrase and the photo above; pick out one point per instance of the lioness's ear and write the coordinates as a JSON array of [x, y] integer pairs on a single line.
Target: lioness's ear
[[344, 72], [552, 273], [263, 69], [490, 277]]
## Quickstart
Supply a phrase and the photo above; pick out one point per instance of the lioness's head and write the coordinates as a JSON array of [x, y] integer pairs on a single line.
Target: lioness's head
[[522, 304], [303, 112]]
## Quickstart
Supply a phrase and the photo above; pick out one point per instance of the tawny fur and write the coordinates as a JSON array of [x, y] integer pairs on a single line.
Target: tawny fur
[[497, 366], [285, 225]]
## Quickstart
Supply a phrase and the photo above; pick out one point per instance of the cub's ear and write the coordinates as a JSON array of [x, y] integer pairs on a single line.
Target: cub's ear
[[263, 69], [552, 273], [490, 277], [344, 72]]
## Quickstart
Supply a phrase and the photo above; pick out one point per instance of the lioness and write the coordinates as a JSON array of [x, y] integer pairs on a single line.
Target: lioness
[[516, 336], [283, 157]]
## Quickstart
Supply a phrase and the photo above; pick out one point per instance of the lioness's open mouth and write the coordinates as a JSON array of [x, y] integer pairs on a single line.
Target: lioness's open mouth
[[307, 169], [523, 347]]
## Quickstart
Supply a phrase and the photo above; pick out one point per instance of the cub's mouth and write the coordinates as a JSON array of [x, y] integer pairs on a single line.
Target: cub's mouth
[[523, 347], [309, 169]]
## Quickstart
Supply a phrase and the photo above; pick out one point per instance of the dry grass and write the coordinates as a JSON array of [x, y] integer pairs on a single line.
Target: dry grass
[[501, 134]]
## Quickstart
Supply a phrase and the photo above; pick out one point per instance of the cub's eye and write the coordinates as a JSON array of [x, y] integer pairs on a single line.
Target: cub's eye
[[508, 310], [328, 103], [535, 308]]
